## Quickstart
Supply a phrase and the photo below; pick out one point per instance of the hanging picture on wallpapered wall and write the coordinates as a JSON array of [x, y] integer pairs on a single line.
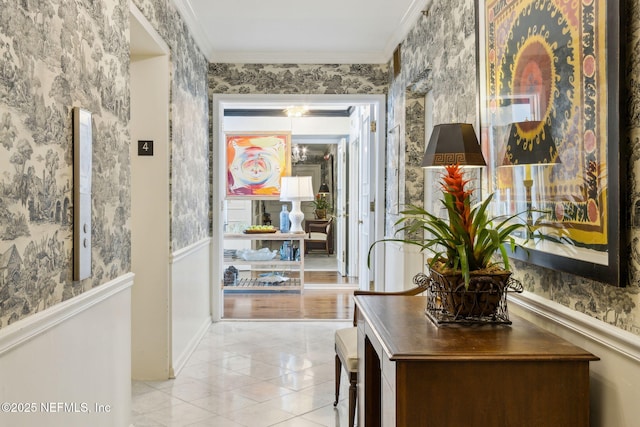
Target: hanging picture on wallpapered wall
[[255, 164], [550, 129]]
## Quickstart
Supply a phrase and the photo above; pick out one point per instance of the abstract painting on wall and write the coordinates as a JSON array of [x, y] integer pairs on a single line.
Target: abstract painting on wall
[[550, 96], [255, 163]]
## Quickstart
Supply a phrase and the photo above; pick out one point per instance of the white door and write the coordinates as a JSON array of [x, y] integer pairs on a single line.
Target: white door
[[353, 206], [341, 208], [365, 220]]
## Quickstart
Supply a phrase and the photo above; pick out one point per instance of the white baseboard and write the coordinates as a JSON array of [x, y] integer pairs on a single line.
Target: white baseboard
[[181, 360]]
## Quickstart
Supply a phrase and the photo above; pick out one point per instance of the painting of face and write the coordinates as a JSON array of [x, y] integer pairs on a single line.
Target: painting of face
[[256, 163]]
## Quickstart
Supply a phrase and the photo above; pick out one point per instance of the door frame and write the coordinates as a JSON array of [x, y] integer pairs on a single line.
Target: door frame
[[222, 101], [152, 323], [341, 207], [353, 204]]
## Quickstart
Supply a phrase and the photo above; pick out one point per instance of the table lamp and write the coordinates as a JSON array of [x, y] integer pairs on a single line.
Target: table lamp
[[324, 188], [530, 143], [296, 189], [453, 143]]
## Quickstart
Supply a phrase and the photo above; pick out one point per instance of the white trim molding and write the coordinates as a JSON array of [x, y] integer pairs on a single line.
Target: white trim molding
[[297, 57], [148, 28], [185, 9], [180, 254], [22, 331], [407, 22], [596, 330]]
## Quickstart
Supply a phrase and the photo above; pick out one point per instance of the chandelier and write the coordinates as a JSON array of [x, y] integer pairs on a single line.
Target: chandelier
[[298, 154]]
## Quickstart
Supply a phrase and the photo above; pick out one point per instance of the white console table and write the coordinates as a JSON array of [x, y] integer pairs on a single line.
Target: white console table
[[293, 284]]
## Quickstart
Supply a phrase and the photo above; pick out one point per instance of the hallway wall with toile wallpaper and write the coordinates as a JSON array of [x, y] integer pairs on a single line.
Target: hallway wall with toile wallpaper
[[56, 55], [438, 55]]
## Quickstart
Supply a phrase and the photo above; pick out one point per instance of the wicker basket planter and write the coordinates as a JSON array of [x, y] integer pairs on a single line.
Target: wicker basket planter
[[481, 299]]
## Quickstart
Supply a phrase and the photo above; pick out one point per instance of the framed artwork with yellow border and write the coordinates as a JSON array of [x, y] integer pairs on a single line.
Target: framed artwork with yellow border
[[255, 164], [549, 81]]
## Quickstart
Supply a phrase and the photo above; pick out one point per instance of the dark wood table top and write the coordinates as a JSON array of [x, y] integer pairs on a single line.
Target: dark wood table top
[[406, 333]]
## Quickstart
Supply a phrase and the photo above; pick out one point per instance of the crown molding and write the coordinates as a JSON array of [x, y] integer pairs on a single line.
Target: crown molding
[[413, 12], [300, 57], [195, 27]]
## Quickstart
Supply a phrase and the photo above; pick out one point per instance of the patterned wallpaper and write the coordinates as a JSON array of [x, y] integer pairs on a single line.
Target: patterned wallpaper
[[440, 50], [54, 55], [190, 188], [297, 79], [62, 53], [437, 56]]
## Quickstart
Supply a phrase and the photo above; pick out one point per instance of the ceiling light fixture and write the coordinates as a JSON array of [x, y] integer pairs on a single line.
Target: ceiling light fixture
[[296, 111], [298, 154]]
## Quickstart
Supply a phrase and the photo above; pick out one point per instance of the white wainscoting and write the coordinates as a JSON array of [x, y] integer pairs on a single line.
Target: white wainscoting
[[615, 377], [66, 360], [190, 300], [403, 261]]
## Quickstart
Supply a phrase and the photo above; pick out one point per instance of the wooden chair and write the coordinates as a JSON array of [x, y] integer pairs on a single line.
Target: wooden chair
[[346, 345], [319, 236]]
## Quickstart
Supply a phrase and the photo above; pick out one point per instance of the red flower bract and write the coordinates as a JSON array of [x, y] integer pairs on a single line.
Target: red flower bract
[[453, 183], [469, 238]]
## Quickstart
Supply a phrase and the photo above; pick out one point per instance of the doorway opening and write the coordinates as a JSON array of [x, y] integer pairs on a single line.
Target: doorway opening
[[150, 314], [372, 154]]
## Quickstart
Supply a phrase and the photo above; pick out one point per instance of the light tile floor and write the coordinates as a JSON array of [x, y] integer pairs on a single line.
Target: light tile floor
[[252, 374]]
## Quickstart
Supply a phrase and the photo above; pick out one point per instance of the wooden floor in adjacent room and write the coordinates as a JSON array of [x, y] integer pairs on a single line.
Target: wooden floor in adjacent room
[[327, 296]]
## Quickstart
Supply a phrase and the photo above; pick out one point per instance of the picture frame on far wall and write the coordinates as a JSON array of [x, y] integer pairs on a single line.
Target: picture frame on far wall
[[255, 163], [549, 82]]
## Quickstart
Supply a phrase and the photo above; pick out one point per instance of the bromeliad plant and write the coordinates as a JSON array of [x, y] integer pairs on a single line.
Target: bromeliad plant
[[469, 239], [321, 202]]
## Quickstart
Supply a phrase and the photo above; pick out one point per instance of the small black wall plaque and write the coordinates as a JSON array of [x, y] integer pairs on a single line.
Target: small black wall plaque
[[145, 148]]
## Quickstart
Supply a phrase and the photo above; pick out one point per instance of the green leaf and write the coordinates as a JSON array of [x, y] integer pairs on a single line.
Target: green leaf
[[464, 265]]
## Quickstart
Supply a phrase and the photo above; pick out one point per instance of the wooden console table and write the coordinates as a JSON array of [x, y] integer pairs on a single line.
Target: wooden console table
[[412, 373]]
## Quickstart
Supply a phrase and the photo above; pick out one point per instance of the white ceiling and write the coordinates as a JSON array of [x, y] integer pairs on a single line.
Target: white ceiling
[[300, 31]]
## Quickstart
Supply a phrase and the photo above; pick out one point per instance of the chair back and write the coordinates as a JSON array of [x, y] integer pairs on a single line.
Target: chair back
[[421, 281], [329, 225]]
